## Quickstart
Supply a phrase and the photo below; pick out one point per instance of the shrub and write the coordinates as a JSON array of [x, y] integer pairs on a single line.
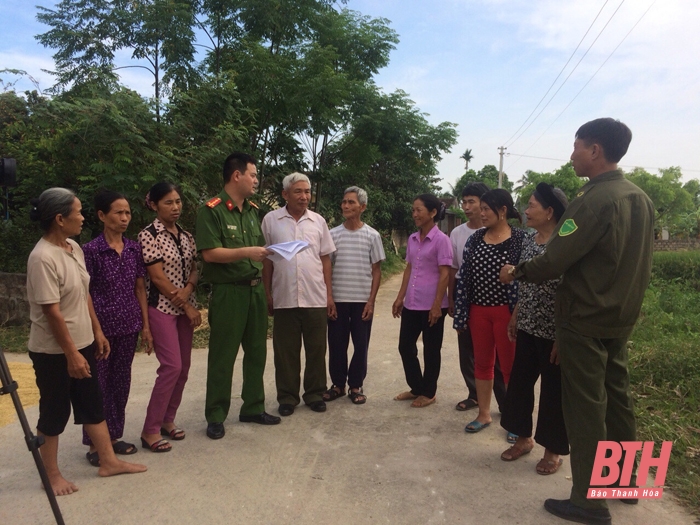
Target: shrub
[[678, 266]]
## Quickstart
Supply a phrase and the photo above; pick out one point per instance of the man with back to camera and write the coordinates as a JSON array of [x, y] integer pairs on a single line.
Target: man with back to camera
[[357, 274], [471, 202], [231, 243], [299, 296], [603, 251]]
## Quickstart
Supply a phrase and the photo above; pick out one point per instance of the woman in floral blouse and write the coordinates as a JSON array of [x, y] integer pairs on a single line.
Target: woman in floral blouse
[[169, 255], [532, 327]]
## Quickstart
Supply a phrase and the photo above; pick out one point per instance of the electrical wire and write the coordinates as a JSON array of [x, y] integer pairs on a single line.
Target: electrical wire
[[589, 81], [560, 72], [570, 73]]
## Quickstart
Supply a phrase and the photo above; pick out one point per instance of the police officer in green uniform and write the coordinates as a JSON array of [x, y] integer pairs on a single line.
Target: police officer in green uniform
[[231, 243], [602, 248]]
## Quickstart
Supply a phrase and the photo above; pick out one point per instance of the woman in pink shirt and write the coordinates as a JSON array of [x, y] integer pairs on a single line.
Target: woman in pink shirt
[[422, 300]]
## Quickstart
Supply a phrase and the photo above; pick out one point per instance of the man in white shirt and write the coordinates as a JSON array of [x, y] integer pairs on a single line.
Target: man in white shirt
[[356, 276], [299, 296], [471, 201]]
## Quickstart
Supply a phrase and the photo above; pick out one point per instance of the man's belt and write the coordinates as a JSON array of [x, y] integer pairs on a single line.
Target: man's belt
[[252, 282]]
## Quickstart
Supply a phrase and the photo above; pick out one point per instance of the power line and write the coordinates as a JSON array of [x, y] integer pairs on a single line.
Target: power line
[[620, 165], [590, 79], [560, 72], [570, 73]]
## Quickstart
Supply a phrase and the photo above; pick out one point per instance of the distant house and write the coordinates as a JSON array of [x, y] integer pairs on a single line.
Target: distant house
[[451, 220]]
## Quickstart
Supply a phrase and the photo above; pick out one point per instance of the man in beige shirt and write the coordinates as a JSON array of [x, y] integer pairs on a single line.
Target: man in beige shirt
[[299, 296]]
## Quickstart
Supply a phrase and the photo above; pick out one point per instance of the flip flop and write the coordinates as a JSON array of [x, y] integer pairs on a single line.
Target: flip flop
[[475, 426], [156, 445], [515, 453], [123, 448], [466, 404], [546, 463], [93, 458], [176, 434]]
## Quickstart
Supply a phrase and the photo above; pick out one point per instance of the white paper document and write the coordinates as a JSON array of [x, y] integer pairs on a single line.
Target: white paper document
[[286, 250]]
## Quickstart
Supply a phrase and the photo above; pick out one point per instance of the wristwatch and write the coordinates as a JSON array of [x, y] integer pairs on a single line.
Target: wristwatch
[[511, 272]]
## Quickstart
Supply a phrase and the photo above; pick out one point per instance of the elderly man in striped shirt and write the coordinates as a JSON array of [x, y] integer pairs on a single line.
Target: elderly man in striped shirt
[[356, 277]]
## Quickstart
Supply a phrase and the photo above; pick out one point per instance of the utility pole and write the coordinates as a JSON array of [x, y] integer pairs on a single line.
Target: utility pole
[[501, 152]]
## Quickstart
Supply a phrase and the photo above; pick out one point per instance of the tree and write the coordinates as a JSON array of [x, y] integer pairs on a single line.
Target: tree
[[488, 175], [88, 33], [467, 157], [564, 178], [671, 200], [392, 151]]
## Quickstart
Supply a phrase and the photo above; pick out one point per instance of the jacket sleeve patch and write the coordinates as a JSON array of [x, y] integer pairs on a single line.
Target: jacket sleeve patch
[[567, 228]]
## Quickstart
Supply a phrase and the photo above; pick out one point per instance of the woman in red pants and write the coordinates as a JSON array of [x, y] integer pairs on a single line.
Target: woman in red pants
[[484, 304]]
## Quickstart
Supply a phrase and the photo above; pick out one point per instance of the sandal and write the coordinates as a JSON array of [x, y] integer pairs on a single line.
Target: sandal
[[423, 401], [157, 446], [176, 434], [124, 448], [405, 396], [545, 467], [333, 393], [515, 453], [357, 398], [475, 426], [467, 404], [93, 458], [511, 438]]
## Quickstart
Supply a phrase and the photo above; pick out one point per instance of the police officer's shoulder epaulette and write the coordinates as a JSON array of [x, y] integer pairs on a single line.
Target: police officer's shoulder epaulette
[[212, 203], [253, 204]]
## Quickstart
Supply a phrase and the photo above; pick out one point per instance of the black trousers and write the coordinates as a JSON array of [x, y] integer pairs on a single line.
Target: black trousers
[[466, 365], [532, 361], [58, 391], [413, 323], [349, 323]]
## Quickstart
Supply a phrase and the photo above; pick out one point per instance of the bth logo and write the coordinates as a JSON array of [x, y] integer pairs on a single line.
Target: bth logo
[[600, 481]]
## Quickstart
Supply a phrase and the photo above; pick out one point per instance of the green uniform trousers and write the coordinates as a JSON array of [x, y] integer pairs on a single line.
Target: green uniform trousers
[[596, 402], [237, 316], [291, 324]]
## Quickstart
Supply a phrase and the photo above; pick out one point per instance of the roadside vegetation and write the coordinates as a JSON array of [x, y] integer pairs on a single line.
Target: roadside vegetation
[[665, 369]]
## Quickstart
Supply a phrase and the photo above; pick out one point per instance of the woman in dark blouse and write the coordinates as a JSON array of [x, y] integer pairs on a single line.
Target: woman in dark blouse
[[169, 255], [483, 302], [532, 327], [118, 293]]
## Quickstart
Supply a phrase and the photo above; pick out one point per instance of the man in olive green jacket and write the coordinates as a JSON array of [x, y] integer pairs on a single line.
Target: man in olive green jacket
[[602, 248]]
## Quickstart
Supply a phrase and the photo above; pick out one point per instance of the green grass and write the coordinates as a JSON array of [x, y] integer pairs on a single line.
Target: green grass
[[665, 378], [14, 338], [392, 265]]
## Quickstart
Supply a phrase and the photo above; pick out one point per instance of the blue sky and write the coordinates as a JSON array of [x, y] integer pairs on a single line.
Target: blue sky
[[485, 64]]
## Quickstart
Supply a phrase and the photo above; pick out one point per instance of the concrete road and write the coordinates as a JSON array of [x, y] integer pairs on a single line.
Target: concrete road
[[382, 462]]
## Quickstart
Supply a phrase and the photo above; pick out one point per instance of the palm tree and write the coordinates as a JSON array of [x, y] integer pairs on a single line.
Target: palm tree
[[467, 156]]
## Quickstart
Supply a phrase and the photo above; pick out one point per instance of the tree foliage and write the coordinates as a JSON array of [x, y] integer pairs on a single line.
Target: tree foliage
[[671, 201], [564, 178], [488, 175], [290, 81]]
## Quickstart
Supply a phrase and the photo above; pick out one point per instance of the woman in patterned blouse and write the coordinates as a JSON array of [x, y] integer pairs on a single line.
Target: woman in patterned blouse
[[169, 255], [532, 327], [118, 294], [483, 302]]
